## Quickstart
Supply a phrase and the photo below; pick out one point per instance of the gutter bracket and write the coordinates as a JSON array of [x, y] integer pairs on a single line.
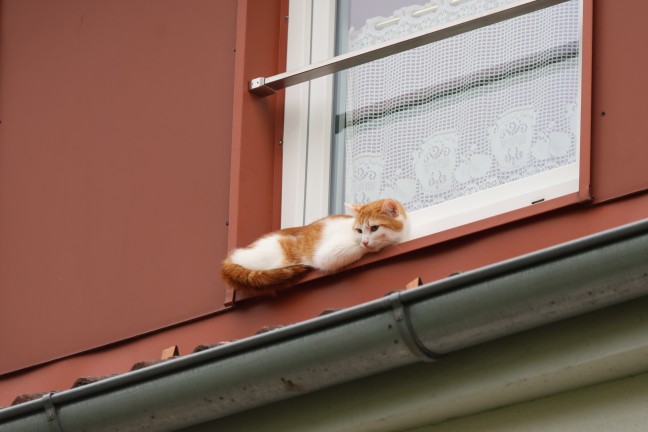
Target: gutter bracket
[[50, 413], [406, 330]]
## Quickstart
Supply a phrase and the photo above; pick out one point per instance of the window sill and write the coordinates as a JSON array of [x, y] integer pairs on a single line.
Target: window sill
[[440, 237]]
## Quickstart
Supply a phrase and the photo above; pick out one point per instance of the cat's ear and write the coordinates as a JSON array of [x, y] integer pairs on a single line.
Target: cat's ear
[[390, 208], [352, 208]]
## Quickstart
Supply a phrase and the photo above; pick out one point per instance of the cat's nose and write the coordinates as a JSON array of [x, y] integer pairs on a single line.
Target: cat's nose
[[365, 243]]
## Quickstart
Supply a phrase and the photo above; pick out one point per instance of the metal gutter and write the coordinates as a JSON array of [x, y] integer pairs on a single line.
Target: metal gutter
[[398, 330]]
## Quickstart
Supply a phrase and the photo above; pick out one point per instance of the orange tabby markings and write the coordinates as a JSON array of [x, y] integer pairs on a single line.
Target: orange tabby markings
[[281, 258]]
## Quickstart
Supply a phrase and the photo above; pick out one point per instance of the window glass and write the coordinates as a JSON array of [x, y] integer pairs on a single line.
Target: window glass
[[459, 117]]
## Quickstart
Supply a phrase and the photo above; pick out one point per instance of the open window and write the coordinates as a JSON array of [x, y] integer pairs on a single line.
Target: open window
[[491, 119]]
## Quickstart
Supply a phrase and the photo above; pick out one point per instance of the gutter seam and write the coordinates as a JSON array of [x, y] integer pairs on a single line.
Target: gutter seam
[[400, 313]]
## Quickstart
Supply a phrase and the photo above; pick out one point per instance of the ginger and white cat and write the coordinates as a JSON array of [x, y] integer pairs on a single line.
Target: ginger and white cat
[[279, 259]]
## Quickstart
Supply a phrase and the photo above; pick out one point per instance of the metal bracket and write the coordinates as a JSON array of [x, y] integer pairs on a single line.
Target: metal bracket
[[407, 332], [50, 413], [259, 87]]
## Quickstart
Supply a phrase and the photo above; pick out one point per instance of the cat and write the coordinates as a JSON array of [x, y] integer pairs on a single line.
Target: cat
[[281, 258]]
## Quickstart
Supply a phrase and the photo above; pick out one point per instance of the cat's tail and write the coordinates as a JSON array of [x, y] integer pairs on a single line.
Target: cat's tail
[[261, 281]]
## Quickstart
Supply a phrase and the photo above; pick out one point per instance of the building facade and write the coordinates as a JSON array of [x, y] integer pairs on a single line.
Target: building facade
[[133, 156]]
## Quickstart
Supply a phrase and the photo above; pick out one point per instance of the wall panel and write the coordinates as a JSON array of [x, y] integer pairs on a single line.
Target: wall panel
[[115, 142], [619, 112]]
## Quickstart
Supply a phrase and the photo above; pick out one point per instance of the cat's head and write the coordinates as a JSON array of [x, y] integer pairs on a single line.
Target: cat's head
[[379, 223]]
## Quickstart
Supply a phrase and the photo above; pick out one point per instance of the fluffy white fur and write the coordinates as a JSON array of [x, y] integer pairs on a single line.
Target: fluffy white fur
[[339, 246], [263, 254]]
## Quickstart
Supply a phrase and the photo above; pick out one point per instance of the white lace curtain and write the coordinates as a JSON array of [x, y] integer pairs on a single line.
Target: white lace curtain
[[465, 114]]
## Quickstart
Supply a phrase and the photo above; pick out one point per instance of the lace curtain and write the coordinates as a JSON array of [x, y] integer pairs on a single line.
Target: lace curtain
[[465, 114]]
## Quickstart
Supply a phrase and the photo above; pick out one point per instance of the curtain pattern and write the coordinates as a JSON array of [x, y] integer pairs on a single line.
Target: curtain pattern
[[464, 114]]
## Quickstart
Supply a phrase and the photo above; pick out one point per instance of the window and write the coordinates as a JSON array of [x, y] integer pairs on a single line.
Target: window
[[460, 130]]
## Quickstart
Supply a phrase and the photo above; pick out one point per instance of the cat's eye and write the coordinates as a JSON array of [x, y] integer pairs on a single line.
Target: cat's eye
[[359, 230], [374, 228]]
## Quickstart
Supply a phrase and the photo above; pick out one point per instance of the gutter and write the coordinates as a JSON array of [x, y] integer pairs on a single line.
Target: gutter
[[398, 330]]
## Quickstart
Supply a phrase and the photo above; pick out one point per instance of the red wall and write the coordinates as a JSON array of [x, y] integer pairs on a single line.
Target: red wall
[[117, 228], [114, 169], [619, 112]]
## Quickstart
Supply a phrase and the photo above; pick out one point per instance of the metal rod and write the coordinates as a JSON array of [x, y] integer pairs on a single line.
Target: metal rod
[[265, 86]]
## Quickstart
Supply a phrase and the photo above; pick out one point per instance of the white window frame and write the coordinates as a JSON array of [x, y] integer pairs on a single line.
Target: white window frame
[[308, 115], [308, 137]]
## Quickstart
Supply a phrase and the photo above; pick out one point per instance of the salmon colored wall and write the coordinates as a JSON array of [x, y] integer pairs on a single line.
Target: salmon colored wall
[[115, 142], [252, 204], [255, 194], [252, 177], [620, 149]]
